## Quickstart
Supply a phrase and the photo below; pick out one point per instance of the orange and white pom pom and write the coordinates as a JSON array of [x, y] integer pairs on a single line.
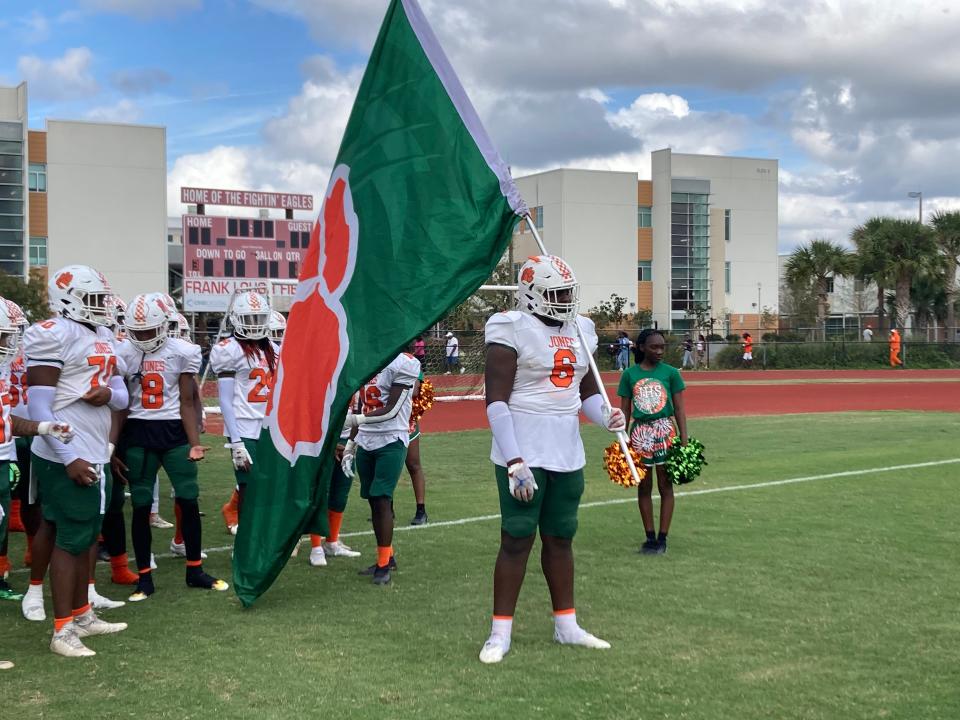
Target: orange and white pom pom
[[423, 401], [615, 463]]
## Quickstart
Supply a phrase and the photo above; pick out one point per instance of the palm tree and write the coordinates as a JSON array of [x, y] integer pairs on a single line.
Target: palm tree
[[813, 266], [912, 252], [872, 260], [946, 225]]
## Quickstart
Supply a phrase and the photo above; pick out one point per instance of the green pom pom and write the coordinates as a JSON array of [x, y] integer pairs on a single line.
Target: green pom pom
[[685, 462]]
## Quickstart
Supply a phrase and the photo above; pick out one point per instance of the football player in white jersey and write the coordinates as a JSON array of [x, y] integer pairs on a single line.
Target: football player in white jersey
[[378, 449], [537, 383], [244, 365], [278, 326], [160, 429], [70, 370]]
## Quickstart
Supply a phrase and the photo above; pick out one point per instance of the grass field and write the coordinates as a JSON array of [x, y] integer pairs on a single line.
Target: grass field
[[835, 597]]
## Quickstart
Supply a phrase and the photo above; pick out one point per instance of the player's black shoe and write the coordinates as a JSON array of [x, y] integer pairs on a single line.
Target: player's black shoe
[[381, 575], [420, 518], [197, 578], [392, 565], [649, 547]]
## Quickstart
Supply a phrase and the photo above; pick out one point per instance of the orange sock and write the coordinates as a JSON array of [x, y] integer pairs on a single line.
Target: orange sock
[[177, 532], [59, 623], [229, 511], [316, 540], [383, 555], [16, 522], [120, 574], [36, 582], [335, 520], [80, 611], [194, 563], [4, 565]]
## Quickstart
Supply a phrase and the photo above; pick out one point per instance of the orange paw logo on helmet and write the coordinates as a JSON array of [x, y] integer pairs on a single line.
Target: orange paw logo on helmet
[[64, 279], [527, 275]]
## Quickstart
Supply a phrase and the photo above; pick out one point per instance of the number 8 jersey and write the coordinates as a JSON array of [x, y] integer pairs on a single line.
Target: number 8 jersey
[[545, 400], [253, 382], [153, 378]]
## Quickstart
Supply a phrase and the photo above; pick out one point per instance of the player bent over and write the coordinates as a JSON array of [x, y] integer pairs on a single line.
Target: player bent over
[[379, 445], [70, 371], [537, 382], [160, 429]]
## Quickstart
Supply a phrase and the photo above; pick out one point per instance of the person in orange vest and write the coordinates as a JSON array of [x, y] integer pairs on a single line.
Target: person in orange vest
[[895, 360], [747, 350]]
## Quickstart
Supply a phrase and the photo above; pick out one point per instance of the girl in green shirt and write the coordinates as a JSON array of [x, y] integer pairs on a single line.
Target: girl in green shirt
[[651, 394]]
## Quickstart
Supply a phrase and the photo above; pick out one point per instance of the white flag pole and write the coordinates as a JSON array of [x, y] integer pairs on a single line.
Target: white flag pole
[[621, 436]]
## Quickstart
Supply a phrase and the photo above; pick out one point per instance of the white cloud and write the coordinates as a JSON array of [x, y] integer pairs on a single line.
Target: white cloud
[[34, 28], [139, 81], [65, 78], [123, 111], [142, 9]]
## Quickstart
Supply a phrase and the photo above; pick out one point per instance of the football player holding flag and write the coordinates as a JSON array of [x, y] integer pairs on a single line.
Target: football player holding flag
[[537, 383]]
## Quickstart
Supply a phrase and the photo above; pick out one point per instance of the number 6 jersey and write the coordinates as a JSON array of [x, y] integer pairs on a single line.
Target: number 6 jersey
[[545, 400], [86, 360], [253, 382], [153, 378]]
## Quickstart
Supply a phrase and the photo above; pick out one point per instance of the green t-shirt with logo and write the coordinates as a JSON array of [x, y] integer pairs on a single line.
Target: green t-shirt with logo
[[650, 391]]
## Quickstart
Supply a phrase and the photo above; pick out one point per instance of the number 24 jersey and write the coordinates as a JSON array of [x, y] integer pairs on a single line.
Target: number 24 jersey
[[253, 383]]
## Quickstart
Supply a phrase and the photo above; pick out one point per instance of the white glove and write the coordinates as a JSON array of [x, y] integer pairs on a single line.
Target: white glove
[[238, 453], [58, 430], [349, 453], [614, 419], [522, 483], [351, 421]]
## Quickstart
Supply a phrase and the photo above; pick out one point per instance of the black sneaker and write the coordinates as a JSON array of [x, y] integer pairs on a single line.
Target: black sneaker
[[420, 518], [661, 548], [381, 575], [197, 578], [102, 554], [392, 565], [649, 547]]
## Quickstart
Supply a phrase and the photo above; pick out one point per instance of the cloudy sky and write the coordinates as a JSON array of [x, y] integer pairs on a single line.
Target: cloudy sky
[[858, 99]]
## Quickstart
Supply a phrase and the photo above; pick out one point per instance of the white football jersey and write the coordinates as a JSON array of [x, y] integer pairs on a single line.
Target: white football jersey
[[253, 383], [86, 360], [545, 400], [404, 370], [18, 383], [153, 379], [8, 448]]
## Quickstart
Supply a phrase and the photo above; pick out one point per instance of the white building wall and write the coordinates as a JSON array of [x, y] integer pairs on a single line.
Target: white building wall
[[660, 174], [590, 220], [107, 202]]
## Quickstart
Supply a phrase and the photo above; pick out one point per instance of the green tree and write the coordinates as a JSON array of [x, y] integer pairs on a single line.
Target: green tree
[[873, 261], [31, 295], [946, 226], [912, 250], [812, 266], [608, 312], [472, 313]]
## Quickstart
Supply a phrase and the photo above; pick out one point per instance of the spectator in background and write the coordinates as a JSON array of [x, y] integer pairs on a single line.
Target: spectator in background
[[623, 350], [687, 353], [701, 350], [420, 350], [747, 351], [867, 334], [453, 353], [895, 360]]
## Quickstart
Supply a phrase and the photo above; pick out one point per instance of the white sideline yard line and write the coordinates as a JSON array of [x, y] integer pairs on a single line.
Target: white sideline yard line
[[602, 503]]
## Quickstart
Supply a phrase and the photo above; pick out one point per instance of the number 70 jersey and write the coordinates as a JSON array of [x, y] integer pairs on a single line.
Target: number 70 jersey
[[551, 361]]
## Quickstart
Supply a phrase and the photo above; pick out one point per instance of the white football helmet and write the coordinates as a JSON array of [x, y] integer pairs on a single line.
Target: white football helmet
[[12, 321], [278, 325], [81, 293], [146, 322], [173, 322], [547, 286], [250, 316], [183, 328]]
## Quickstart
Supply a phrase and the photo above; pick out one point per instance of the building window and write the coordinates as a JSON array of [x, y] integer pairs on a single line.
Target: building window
[[644, 216], [169, 238], [829, 284], [538, 217], [689, 251], [38, 177], [726, 277], [726, 225], [644, 270], [38, 252]]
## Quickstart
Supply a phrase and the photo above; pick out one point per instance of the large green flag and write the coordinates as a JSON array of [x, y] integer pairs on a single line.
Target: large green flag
[[419, 210]]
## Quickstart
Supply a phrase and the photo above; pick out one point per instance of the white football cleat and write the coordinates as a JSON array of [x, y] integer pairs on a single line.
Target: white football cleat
[[6, 665], [317, 557], [180, 550], [100, 602], [32, 605], [582, 638], [338, 549], [494, 649], [159, 523], [153, 562], [233, 529], [89, 624], [66, 642]]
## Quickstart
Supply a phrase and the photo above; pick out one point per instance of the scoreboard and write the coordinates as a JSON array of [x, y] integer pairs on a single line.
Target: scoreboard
[[223, 254]]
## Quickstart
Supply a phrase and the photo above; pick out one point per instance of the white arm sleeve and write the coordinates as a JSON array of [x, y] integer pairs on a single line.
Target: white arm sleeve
[[593, 409], [504, 434], [389, 415], [41, 410], [225, 388], [119, 396]]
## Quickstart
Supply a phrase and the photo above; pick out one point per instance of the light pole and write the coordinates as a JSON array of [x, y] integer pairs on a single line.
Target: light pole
[[759, 327], [919, 196]]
